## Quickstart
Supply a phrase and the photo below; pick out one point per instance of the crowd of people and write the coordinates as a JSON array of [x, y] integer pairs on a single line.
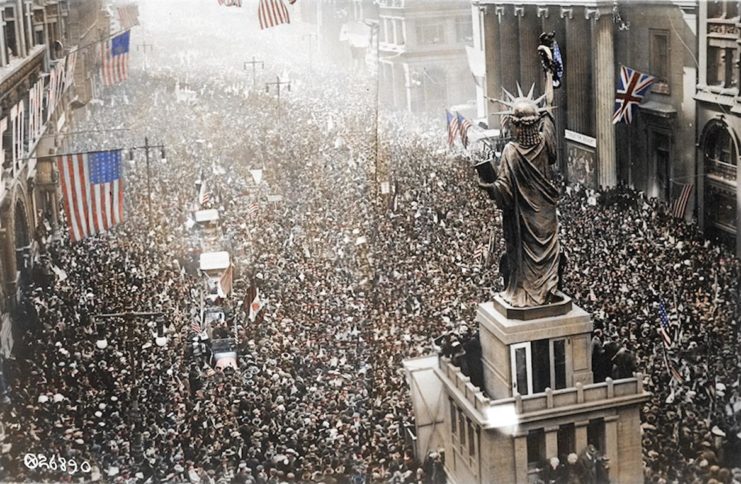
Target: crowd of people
[[354, 281]]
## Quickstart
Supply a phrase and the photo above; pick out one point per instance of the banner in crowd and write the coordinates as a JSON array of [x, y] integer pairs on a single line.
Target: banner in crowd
[[93, 192]]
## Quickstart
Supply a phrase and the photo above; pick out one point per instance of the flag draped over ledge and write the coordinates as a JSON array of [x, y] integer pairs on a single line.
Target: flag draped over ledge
[[92, 187]]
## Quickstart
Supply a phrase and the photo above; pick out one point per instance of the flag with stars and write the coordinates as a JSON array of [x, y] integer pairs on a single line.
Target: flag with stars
[[92, 187], [453, 127], [664, 328], [463, 126], [632, 86], [114, 67]]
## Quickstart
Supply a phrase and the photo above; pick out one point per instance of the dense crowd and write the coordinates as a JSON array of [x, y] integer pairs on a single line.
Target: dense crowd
[[354, 280]]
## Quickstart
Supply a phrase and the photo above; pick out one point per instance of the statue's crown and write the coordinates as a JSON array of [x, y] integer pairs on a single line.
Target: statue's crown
[[523, 110]]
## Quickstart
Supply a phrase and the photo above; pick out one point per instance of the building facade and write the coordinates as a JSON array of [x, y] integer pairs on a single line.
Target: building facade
[[654, 153], [719, 121], [422, 59], [38, 69]]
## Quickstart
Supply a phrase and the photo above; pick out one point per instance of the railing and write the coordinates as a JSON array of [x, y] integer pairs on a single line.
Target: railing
[[548, 400]]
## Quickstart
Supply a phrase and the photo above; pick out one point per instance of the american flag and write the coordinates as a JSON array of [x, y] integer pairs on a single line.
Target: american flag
[[478, 253], [252, 209], [204, 196], [673, 370], [272, 13], [680, 204], [93, 191], [115, 60], [453, 128], [195, 326], [128, 16], [664, 328], [633, 85], [463, 126]]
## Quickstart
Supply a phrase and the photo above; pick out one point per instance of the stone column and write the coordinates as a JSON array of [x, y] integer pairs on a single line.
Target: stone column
[[510, 53], [529, 26], [611, 438], [492, 58], [578, 75], [604, 93]]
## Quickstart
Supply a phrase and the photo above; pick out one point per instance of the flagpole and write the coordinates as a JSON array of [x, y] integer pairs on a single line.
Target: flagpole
[[149, 183]]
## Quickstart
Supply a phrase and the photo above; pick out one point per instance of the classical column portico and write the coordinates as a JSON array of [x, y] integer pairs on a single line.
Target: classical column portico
[[577, 73], [510, 54], [492, 57], [530, 29], [604, 89]]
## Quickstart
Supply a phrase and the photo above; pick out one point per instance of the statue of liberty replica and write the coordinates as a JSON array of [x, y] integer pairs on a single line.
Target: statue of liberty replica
[[523, 189]]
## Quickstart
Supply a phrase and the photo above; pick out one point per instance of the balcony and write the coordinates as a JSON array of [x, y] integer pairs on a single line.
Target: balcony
[[505, 412]]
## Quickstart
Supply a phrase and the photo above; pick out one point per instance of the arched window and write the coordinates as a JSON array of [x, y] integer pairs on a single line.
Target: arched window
[[719, 146]]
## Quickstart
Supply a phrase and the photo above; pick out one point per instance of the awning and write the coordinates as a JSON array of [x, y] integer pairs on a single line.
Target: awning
[[212, 261], [210, 215], [356, 33]]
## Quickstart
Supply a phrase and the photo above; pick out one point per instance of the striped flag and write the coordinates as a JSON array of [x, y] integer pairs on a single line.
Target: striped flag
[[204, 196], [673, 372], [478, 253], [252, 209], [680, 204], [128, 16], [195, 326], [115, 59], [453, 129], [664, 328], [230, 3], [463, 126], [93, 191], [272, 13]]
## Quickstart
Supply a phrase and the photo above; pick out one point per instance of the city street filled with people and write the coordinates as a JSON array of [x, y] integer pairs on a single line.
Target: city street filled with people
[[352, 281]]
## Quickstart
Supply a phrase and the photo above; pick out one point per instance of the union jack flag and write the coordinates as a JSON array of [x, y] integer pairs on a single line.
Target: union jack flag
[[453, 127], [633, 85]]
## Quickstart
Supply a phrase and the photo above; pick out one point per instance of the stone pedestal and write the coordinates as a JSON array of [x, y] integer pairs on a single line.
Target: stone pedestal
[[499, 330]]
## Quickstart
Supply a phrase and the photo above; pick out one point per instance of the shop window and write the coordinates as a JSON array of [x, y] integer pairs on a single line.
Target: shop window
[[721, 158], [11, 42]]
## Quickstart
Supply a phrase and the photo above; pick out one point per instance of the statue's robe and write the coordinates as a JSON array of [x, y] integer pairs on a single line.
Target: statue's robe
[[528, 201]]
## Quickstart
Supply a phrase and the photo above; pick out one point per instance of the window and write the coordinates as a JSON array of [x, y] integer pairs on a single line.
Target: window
[[463, 30], [559, 364], [662, 150], [541, 365], [453, 417], [659, 60], [430, 32], [471, 439], [566, 441], [400, 37], [462, 429], [522, 382], [727, 9], [11, 42], [720, 67], [596, 434], [720, 153], [535, 448]]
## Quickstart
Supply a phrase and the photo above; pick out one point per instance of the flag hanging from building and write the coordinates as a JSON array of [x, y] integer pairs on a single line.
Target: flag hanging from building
[[680, 204], [453, 129], [128, 16], [115, 62], [69, 78], [463, 126], [272, 13], [225, 282], [632, 86], [93, 191]]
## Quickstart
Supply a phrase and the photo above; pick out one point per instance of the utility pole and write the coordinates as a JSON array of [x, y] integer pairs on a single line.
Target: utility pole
[[254, 68], [146, 149], [278, 83]]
